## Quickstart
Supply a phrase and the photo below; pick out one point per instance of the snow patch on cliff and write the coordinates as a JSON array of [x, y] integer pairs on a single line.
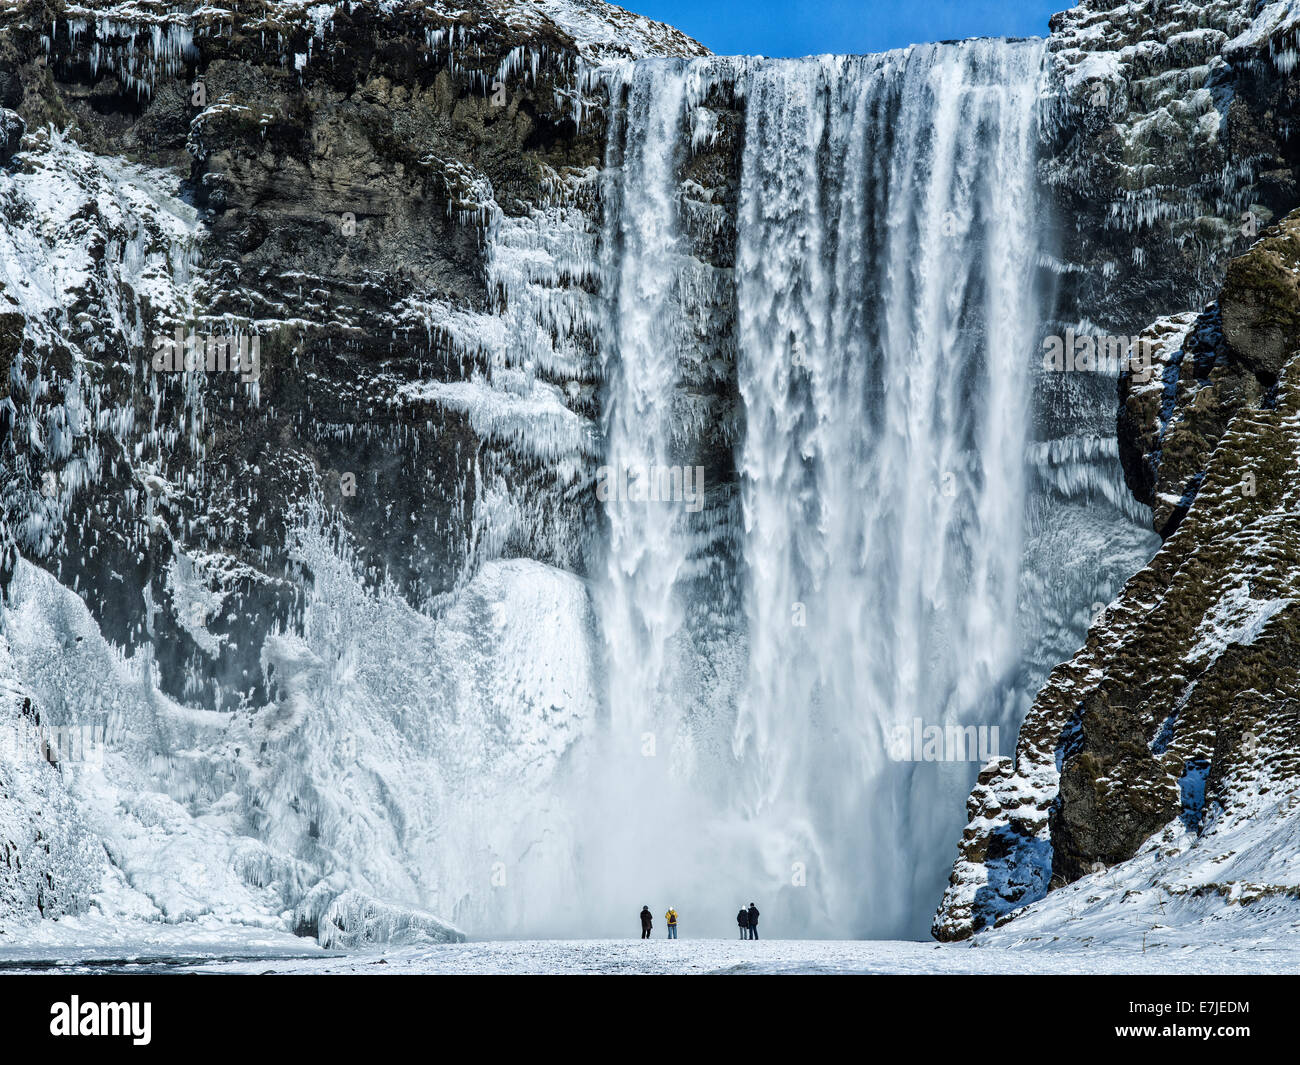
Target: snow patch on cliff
[[1235, 886], [1236, 619]]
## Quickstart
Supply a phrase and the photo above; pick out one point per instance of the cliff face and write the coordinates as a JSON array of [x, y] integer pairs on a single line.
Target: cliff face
[[1168, 125], [374, 227], [350, 182], [1164, 147], [1176, 714], [1165, 150]]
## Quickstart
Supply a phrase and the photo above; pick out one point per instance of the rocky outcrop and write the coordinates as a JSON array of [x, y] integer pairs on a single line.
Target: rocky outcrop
[[1260, 302], [1232, 357], [1166, 153], [12, 128], [1164, 150], [1167, 148], [1184, 695]]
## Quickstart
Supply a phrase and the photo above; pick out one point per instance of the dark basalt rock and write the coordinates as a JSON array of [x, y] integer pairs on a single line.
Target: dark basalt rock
[[1104, 814], [1230, 358], [1170, 424], [12, 128], [1260, 301]]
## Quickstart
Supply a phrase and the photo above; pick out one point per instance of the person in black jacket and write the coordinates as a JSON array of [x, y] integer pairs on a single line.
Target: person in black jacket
[[753, 921], [742, 919], [647, 922]]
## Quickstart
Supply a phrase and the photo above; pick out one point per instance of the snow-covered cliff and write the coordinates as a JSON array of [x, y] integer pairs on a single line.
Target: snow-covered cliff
[[278, 597]]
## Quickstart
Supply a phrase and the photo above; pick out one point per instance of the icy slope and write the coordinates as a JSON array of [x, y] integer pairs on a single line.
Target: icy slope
[[1232, 882], [201, 813]]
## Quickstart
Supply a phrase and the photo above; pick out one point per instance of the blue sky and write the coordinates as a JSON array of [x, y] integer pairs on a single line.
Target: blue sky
[[811, 27]]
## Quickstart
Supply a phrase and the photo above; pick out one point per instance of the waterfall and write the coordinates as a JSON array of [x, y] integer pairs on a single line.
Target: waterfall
[[886, 338], [646, 552], [650, 828], [885, 331]]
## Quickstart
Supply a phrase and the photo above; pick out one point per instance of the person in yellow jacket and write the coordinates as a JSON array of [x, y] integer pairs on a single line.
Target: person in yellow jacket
[[671, 917]]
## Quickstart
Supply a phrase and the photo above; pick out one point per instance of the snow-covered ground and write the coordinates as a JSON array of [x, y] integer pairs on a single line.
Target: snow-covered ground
[[82, 946], [685, 956], [97, 942]]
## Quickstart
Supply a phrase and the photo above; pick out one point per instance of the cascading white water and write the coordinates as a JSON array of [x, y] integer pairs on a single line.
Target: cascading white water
[[646, 831], [885, 332], [641, 355], [886, 337]]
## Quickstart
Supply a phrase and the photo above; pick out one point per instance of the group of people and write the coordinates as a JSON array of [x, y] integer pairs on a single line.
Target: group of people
[[747, 919]]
